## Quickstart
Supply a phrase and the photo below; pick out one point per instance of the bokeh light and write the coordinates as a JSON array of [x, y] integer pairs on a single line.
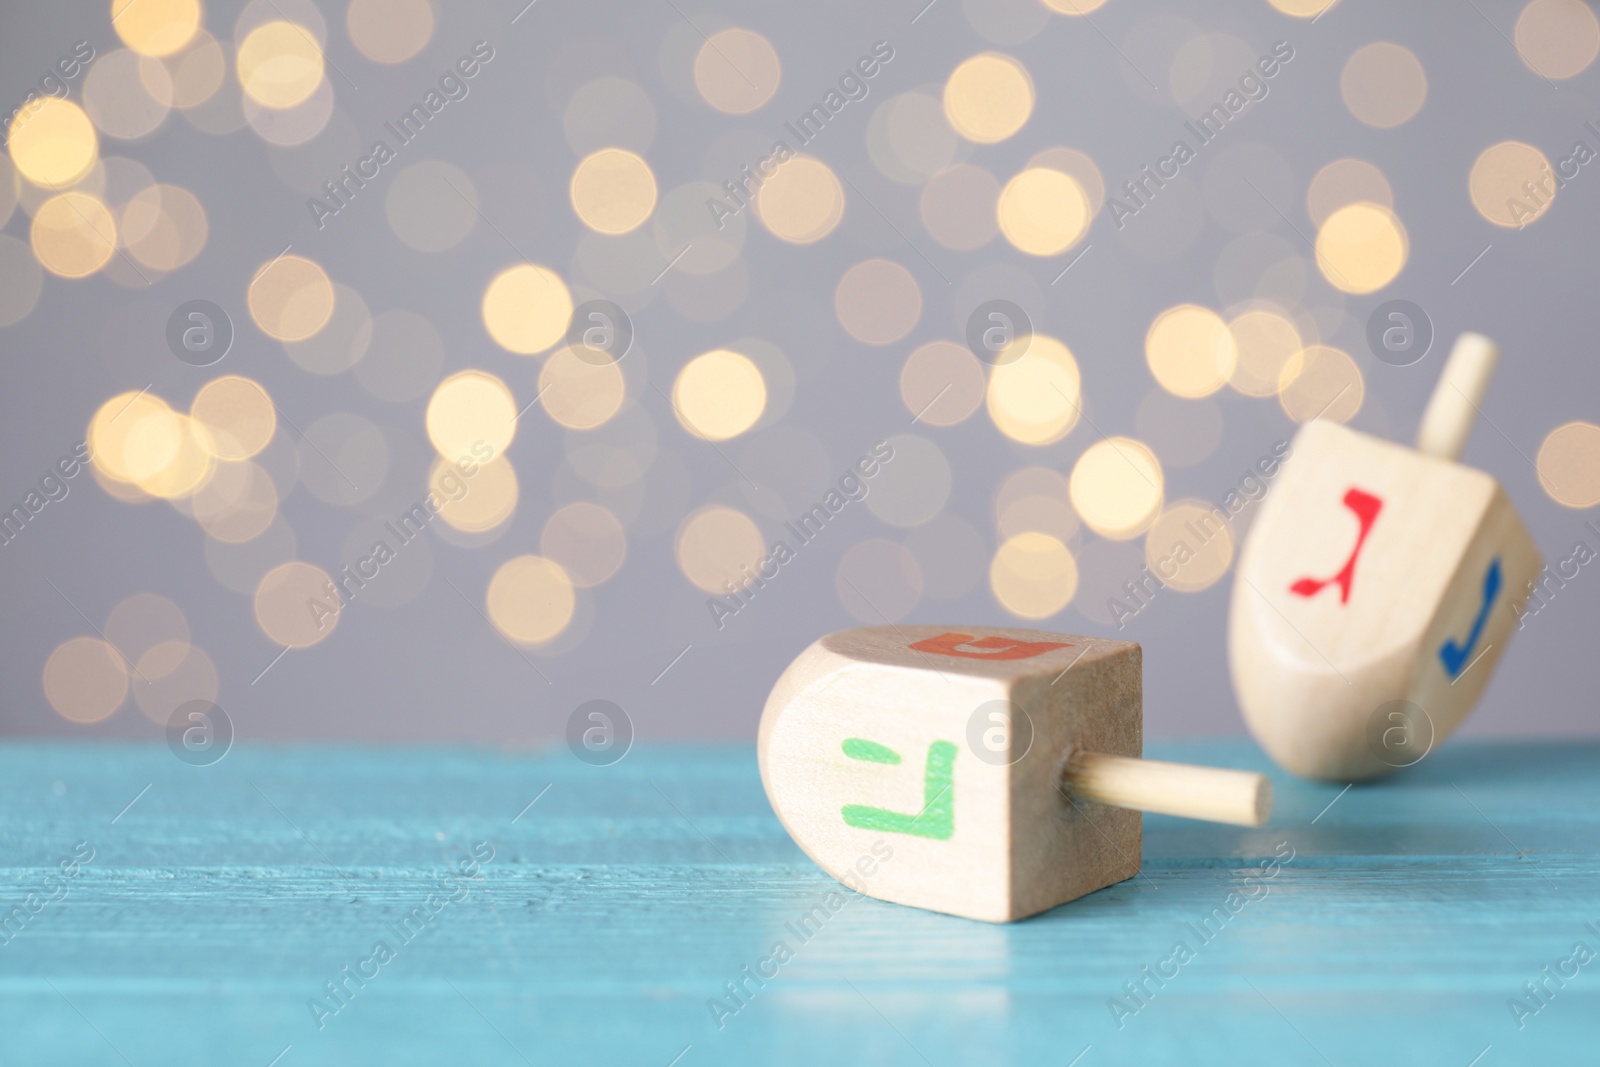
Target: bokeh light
[[587, 540], [1037, 499], [477, 502], [1343, 182], [52, 142], [1500, 181], [431, 205], [127, 95], [1035, 398], [802, 202], [291, 298], [914, 486], [471, 408], [73, 235], [1117, 487], [1321, 382], [297, 604], [1265, 342], [1361, 248], [578, 394], [1383, 84], [237, 414], [171, 675], [389, 31], [988, 97], [526, 308], [719, 394], [1189, 546], [1190, 351], [1569, 464], [1557, 38], [941, 383], [878, 581], [613, 191], [1043, 212], [85, 680], [155, 27], [279, 65], [1033, 575], [164, 227], [877, 301], [736, 71], [530, 600], [717, 546]]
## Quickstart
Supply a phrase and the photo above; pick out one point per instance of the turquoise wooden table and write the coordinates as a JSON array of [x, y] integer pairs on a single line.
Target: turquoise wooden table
[[347, 906]]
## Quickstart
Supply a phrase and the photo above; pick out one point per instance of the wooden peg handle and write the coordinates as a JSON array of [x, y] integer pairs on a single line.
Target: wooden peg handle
[[1454, 405], [1243, 798]]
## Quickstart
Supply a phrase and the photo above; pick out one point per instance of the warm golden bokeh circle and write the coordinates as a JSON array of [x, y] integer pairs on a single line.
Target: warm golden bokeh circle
[[291, 298], [471, 408], [1569, 464], [1117, 487], [297, 604], [237, 414], [802, 202], [530, 600], [877, 301], [526, 308], [1557, 38], [988, 97], [164, 227], [1302, 9], [718, 546], [155, 27], [1361, 248], [1033, 575], [719, 394], [1190, 351], [736, 71], [1190, 545], [1383, 84], [613, 191], [389, 31], [579, 394], [1043, 212], [73, 235], [1035, 398], [1265, 342], [1321, 382], [52, 142], [478, 502], [1346, 181], [279, 64], [85, 680], [942, 383], [1500, 180]]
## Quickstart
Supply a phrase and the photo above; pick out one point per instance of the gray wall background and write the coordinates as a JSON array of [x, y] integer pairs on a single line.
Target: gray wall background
[[432, 669]]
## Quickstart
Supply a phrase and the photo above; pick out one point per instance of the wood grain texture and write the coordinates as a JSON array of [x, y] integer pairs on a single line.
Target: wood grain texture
[[1005, 707], [624, 899], [1365, 560]]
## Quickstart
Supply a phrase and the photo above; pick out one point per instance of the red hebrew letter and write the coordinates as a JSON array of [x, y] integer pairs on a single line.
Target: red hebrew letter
[[1366, 506], [994, 647]]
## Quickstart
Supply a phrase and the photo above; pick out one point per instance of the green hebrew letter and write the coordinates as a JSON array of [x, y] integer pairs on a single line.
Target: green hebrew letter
[[871, 751], [938, 816]]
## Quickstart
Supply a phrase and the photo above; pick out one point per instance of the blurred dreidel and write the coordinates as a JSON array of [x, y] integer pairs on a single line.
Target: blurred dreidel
[[990, 773], [1375, 591]]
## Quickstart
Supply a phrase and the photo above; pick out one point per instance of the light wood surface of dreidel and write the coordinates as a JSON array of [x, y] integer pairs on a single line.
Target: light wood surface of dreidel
[[986, 772], [1377, 589]]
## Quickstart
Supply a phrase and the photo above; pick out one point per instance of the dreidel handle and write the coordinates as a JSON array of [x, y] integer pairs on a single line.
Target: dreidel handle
[[1453, 408], [1243, 798]]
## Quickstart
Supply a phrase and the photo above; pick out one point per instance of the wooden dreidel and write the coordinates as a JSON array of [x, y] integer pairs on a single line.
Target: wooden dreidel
[[990, 773], [1376, 590]]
